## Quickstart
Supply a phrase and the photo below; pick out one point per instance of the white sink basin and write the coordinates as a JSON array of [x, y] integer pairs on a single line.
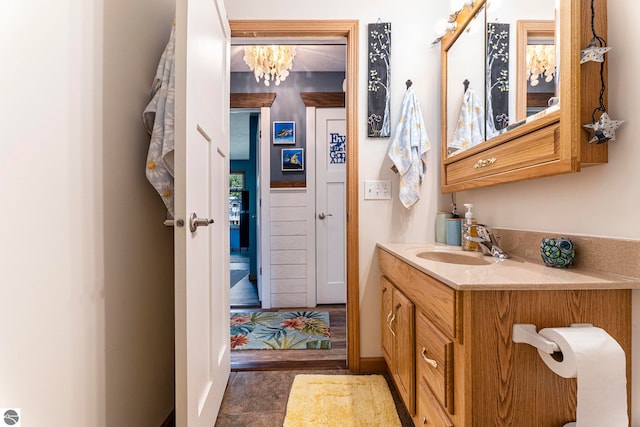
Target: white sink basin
[[453, 258]]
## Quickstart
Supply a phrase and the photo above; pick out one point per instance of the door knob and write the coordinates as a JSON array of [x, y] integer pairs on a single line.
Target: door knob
[[195, 222], [322, 215]]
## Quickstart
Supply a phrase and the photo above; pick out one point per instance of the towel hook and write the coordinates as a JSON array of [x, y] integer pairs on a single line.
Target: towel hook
[[409, 83], [466, 85]]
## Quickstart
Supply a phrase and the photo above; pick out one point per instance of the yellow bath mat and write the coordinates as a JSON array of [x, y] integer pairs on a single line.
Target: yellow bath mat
[[340, 401]]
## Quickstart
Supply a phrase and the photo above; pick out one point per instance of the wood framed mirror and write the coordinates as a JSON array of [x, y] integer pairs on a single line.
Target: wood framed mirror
[[546, 141]]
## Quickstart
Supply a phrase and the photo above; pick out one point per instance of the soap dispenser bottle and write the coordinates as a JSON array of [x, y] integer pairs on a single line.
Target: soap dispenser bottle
[[469, 228]]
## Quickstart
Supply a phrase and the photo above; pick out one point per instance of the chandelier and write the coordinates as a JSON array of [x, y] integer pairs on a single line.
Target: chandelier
[[269, 62], [541, 62]]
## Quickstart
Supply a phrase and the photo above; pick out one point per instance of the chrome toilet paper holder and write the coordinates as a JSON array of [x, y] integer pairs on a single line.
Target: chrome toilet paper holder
[[526, 333]]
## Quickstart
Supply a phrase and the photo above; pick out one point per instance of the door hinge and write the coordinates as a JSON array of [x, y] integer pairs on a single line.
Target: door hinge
[[261, 271]]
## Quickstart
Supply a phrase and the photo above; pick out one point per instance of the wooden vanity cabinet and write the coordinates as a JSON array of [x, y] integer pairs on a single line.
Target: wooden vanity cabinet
[[468, 371]]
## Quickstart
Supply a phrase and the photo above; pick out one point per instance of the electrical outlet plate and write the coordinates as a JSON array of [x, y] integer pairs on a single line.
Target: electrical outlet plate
[[377, 190]]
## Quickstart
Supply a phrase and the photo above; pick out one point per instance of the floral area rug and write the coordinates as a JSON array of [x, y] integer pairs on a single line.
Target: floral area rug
[[272, 330]]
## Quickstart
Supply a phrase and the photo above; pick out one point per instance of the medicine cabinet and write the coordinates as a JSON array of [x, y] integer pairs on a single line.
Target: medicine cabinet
[[508, 116]]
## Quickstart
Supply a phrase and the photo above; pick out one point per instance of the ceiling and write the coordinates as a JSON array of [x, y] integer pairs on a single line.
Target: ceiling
[[321, 57]]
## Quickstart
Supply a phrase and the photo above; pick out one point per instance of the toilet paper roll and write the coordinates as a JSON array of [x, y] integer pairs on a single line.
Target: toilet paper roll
[[598, 362]]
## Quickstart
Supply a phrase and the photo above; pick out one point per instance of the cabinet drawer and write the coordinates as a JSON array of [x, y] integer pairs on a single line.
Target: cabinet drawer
[[436, 300], [430, 413], [542, 146], [434, 360]]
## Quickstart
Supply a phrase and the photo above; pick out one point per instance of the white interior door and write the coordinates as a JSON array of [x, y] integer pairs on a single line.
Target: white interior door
[[331, 163], [201, 189]]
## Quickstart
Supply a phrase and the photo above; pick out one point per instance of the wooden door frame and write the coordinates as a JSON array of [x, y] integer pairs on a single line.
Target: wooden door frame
[[316, 29]]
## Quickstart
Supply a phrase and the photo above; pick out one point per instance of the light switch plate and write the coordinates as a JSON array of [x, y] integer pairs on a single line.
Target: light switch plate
[[377, 190]]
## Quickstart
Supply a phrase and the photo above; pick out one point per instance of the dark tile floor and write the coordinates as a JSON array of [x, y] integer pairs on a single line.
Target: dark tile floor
[[259, 398]]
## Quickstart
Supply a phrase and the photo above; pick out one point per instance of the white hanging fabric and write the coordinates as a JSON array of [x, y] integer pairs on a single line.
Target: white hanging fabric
[[468, 131], [158, 120], [408, 149]]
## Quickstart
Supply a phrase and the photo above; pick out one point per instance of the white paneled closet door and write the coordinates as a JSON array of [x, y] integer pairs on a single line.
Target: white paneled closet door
[[202, 222]]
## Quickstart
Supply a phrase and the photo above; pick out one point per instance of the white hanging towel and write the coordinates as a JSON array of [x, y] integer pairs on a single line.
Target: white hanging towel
[[158, 120], [468, 130], [408, 149]]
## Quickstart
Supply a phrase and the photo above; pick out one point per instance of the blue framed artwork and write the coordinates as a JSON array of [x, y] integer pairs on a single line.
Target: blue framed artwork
[[292, 159], [284, 133]]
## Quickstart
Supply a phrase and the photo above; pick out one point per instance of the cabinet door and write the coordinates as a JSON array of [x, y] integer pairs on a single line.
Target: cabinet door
[[403, 326], [386, 315]]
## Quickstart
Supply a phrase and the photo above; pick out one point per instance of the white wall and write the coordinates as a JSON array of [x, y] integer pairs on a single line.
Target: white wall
[[602, 200], [86, 265], [138, 262]]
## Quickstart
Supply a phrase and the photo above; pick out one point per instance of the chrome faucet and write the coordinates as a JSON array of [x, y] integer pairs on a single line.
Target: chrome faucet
[[487, 242]]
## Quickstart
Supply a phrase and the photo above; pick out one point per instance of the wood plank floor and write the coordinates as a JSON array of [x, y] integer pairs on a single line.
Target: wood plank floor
[[334, 358]]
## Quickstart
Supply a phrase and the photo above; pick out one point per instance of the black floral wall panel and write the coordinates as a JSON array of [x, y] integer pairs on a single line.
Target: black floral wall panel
[[379, 69], [497, 76]]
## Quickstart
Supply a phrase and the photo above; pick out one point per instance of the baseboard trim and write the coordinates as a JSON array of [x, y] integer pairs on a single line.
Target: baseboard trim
[[170, 421], [372, 364]]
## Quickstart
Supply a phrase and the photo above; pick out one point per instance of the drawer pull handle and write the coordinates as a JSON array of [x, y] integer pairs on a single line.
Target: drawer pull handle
[[431, 362], [424, 421], [484, 163]]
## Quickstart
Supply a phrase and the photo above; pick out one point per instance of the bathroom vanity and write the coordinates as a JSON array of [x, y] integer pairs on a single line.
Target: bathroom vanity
[[447, 319]]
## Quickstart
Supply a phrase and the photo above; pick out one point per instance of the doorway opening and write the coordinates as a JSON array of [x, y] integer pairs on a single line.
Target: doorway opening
[[244, 180], [317, 30], [347, 29], [243, 202]]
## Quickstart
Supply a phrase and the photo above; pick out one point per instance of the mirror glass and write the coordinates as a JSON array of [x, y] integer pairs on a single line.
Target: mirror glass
[[536, 82], [465, 88], [503, 91], [521, 63]]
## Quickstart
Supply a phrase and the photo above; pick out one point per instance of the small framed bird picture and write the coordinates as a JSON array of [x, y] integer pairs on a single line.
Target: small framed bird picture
[[284, 133], [292, 159]]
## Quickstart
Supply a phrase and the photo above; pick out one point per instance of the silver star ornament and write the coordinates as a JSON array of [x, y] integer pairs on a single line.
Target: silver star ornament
[[604, 129], [593, 53]]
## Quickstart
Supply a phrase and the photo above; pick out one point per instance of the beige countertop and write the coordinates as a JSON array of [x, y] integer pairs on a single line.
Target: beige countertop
[[508, 274]]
